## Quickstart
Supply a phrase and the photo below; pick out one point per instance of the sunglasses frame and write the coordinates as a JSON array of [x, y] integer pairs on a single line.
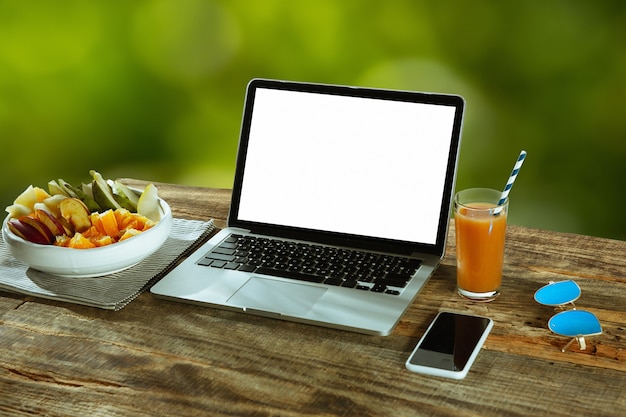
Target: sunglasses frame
[[561, 304]]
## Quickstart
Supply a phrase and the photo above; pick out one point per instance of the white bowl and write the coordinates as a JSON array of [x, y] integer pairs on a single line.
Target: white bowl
[[93, 262]]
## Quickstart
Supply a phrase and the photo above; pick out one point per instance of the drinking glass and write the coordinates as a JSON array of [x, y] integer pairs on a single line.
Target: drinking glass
[[480, 224]]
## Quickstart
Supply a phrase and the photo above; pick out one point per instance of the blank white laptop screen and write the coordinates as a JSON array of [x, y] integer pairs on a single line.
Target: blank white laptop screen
[[338, 164]]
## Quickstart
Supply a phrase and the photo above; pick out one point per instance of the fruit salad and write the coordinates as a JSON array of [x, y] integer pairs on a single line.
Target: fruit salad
[[98, 213]]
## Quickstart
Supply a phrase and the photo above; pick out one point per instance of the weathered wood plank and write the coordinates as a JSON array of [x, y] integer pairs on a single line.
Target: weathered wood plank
[[156, 357], [186, 358]]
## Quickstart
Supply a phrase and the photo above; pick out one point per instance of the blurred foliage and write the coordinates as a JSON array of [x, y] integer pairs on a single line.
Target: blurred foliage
[[154, 89]]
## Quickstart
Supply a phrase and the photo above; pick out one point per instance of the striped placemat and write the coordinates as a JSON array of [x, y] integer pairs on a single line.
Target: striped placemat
[[110, 292]]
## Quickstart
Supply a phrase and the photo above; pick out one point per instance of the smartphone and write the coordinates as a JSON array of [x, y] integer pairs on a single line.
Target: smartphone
[[450, 345]]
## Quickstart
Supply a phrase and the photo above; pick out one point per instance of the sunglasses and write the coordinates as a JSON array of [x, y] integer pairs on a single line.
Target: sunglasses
[[573, 323]]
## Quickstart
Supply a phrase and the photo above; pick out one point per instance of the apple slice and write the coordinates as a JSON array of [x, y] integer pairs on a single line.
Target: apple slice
[[29, 232], [18, 210], [69, 228], [18, 228], [52, 203], [51, 222], [76, 213], [40, 226], [31, 195]]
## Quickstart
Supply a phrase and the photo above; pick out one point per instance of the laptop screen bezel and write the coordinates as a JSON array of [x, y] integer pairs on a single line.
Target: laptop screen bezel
[[342, 239]]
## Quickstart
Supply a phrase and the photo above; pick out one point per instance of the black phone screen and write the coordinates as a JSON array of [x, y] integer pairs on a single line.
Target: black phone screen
[[450, 341]]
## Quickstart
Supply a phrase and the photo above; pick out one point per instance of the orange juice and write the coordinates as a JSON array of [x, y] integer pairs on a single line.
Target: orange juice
[[480, 236]]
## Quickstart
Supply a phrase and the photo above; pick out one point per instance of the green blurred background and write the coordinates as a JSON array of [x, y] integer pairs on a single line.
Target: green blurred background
[[154, 89]]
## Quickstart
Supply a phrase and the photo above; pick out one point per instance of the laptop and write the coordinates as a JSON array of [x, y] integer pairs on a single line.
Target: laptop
[[356, 181]]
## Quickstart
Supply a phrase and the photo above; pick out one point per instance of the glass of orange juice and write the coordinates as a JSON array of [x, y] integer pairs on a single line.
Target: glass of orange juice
[[480, 224]]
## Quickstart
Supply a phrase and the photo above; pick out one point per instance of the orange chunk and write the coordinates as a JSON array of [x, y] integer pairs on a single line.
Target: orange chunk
[[97, 223], [109, 223], [121, 215], [78, 241], [102, 240], [107, 228], [129, 233], [128, 222], [62, 240], [149, 224], [91, 232]]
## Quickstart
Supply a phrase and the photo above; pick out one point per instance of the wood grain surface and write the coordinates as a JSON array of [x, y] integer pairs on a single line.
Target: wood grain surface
[[160, 358]]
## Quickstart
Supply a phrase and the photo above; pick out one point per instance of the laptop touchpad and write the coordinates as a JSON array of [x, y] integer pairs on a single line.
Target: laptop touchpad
[[286, 298]]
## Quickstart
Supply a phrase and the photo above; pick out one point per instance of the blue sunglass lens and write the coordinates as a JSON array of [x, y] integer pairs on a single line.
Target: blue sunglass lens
[[575, 323], [558, 293]]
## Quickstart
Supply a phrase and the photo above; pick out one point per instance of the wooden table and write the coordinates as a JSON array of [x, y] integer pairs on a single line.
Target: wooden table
[[157, 357]]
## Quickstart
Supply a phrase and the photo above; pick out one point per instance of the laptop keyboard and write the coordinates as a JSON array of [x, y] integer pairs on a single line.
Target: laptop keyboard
[[313, 263]]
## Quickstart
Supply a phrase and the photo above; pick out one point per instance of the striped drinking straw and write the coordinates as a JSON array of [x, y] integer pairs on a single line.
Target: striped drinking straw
[[512, 177]]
